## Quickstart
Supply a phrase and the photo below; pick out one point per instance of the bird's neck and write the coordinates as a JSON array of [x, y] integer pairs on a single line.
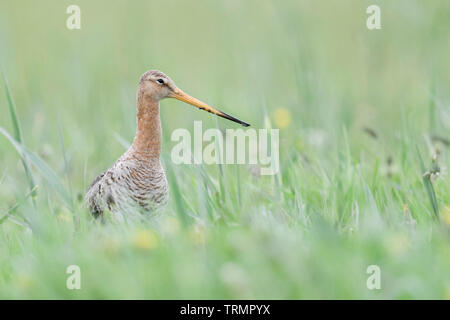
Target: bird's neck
[[147, 142]]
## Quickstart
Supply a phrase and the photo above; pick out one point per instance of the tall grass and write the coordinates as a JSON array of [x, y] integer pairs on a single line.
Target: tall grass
[[17, 130], [361, 178]]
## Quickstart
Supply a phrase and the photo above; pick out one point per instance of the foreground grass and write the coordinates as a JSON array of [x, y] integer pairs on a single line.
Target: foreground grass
[[363, 120], [144, 262], [288, 242]]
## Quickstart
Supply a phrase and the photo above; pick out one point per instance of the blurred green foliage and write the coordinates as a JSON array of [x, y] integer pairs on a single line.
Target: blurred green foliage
[[352, 105]]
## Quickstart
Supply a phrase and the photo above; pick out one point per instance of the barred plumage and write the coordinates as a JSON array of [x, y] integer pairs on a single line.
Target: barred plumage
[[131, 182]]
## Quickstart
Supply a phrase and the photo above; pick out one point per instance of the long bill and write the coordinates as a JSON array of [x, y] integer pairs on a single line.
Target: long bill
[[180, 95]]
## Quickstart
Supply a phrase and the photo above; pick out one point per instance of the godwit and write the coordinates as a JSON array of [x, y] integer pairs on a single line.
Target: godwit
[[137, 179]]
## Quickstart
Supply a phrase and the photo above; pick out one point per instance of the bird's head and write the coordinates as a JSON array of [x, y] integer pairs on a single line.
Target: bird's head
[[155, 85]]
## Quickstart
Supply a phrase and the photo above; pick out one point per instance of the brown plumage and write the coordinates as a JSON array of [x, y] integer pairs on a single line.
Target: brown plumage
[[137, 179]]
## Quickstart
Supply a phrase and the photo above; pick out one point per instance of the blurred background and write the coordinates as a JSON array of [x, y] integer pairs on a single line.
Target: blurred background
[[352, 106], [317, 60]]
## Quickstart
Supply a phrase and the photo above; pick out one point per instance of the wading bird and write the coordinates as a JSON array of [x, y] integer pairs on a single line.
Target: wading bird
[[137, 179]]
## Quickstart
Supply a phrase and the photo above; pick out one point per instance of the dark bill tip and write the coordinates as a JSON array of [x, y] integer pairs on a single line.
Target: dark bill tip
[[227, 116]]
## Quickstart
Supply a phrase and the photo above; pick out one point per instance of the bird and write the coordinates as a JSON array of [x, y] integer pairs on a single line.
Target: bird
[[137, 180]]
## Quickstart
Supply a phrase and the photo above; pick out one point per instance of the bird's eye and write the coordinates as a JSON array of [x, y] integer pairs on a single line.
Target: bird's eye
[[161, 81]]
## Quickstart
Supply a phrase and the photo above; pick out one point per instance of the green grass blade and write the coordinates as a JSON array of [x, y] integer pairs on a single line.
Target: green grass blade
[[11, 210], [428, 186], [43, 168], [176, 194], [12, 111], [66, 163], [18, 133], [432, 106]]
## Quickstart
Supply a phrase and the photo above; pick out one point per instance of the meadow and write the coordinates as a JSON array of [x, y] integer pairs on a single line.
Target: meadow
[[364, 120]]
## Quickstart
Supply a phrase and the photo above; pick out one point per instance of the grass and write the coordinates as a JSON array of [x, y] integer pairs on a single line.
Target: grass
[[364, 122]]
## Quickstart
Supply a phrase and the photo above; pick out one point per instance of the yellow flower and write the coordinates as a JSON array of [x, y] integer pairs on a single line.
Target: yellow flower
[[446, 216], [197, 234], [282, 117], [24, 281], [145, 240], [397, 244]]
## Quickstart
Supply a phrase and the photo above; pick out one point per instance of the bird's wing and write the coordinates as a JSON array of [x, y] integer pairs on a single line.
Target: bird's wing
[[91, 198]]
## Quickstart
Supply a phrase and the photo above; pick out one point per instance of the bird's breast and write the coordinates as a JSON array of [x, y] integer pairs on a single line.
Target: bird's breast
[[134, 182]]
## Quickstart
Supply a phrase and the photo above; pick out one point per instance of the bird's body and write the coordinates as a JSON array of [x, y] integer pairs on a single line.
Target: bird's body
[[132, 180], [138, 179]]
